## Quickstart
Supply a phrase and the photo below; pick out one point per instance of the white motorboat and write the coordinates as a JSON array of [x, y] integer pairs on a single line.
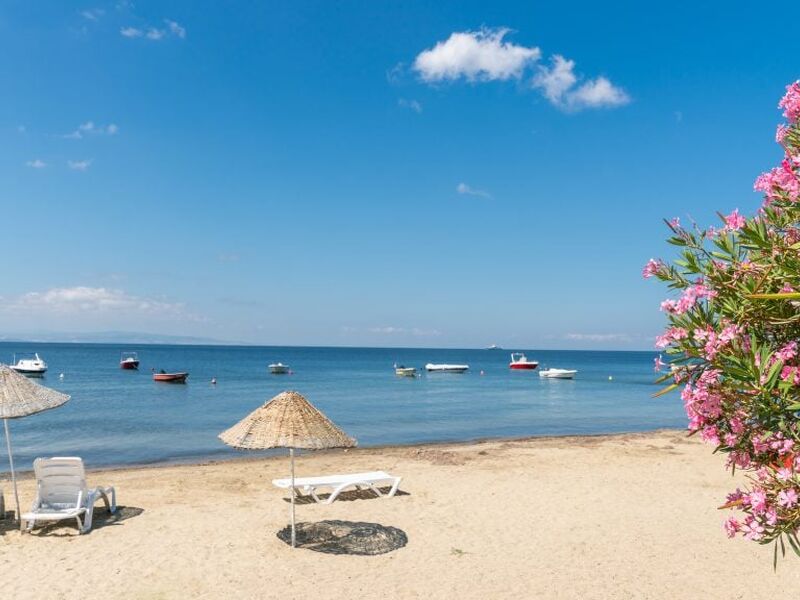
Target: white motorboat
[[443, 368], [405, 371], [30, 365], [278, 369], [558, 373]]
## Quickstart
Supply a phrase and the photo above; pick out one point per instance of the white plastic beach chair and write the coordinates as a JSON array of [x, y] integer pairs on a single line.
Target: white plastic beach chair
[[338, 483], [62, 493]]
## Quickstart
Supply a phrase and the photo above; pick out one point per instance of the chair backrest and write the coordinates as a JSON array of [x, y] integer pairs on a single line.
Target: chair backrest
[[60, 480]]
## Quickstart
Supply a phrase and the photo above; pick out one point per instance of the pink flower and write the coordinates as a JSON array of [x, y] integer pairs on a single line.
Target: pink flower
[[651, 268], [790, 103], [780, 133], [675, 223], [658, 364], [752, 529], [734, 221], [780, 181], [787, 498], [788, 352], [731, 526], [672, 334], [757, 499], [784, 474]]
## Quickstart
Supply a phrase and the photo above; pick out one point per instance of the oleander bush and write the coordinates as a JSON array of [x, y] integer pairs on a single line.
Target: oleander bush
[[732, 343]]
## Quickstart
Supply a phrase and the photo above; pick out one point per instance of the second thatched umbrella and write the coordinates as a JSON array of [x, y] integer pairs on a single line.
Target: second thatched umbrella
[[287, 421], [20, 397]]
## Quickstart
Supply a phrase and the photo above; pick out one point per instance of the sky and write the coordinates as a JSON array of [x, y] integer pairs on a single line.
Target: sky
[[451, 174]]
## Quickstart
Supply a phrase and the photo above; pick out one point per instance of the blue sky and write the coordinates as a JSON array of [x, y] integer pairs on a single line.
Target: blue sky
[[370, 173]]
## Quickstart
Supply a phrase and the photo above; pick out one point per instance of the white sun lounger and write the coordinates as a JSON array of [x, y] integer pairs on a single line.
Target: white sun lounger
[[62, 493], [338, 483]]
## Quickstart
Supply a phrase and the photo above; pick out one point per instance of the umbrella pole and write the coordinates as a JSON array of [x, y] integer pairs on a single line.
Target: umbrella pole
[[291, 454], [11, 464]]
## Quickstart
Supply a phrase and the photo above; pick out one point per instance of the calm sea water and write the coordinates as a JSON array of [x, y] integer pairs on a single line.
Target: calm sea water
[[121, 417]]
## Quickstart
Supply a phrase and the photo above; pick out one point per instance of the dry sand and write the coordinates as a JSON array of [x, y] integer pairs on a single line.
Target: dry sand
[[628, 516]]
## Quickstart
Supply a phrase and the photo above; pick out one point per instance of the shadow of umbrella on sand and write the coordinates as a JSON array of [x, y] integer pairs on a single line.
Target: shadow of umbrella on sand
[[287, 421], [20, 397]]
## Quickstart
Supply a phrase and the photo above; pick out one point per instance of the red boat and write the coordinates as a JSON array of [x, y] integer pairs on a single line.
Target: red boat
[[170, 377], [128, 360], [519, 361]]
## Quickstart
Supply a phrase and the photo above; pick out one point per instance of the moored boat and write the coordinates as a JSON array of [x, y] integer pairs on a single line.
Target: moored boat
[[278, 369], [30, 364], [520, 361], [165, 377], [445, 368], [405, 371], [558, 373], [129, 360]]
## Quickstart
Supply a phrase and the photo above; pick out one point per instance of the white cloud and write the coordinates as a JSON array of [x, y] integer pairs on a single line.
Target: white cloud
[[410, 104], [155, 34], [131, 32], [175, 28], [89, 128], [391, 330], [80, 165], [84, 299], [558, 83], [598, 337], [475, 56], [485, 56], [555, 81], [597, 93], [464, 189], [36, 164], [92, 14]]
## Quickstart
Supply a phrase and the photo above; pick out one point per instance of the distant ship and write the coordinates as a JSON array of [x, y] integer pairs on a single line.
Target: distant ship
[[493, 347]]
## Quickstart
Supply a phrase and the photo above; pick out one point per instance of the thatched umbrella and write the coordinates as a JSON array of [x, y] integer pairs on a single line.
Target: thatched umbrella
[[286, 421], [20, 397]]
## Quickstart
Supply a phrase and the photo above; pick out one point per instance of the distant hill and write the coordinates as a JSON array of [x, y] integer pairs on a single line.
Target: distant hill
[[113, 337]]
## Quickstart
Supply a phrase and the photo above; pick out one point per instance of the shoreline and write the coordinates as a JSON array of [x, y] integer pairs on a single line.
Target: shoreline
[[246, 456]]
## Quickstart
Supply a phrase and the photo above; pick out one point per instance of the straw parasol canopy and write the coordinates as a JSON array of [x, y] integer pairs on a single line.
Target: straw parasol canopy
[[287, 421], [20, 397]]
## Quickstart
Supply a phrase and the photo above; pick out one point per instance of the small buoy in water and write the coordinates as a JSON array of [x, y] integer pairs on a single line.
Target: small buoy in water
[[610, 378], [481, 372], [213, 381], [61, 376]]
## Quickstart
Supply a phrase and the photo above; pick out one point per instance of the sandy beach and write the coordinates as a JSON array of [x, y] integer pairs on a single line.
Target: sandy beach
[[626, 516]]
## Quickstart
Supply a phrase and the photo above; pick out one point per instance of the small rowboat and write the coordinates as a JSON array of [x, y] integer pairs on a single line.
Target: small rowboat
[[129, 360], [446, 368], [405, 371], [171, 377], [558, 373], [278, 369], [520, 361]]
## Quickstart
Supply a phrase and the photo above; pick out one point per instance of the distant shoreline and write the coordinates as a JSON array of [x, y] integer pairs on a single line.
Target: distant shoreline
[[224, 344]]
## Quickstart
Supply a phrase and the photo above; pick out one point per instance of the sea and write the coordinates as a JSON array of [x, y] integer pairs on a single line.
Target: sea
[[117, 417]]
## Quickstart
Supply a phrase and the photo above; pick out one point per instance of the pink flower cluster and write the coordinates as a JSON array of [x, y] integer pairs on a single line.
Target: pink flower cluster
[[652, 268], [780, 181], [790, 103], [688, 299], [673, 334], [734, 221], [703, 402]]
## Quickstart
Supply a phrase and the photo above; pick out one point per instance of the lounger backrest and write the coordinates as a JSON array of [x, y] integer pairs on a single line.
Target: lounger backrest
[[60, 480]]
